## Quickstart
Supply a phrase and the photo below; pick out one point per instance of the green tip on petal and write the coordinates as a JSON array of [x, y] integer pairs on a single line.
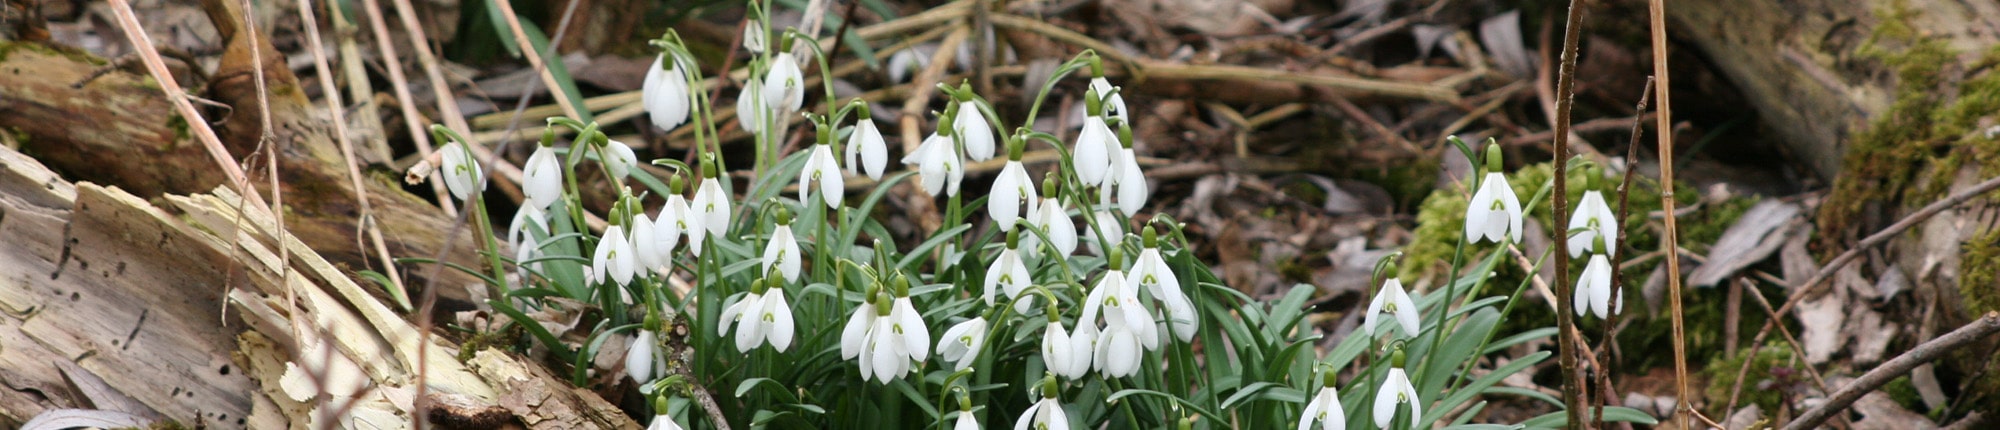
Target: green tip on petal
[[675, 183], [964, 402], [861, 110], [1150, 238], [1329, 378], [548, 136], [1597, 244], [902, 285], [883, 304], [1396, 357], [1015, 146], [824, 132], [1050, 182], [708, 166], [1093, 103], [784, 216], [660, 405], [757, 286], [1014, 239], [1125, 134], [1115, 257]]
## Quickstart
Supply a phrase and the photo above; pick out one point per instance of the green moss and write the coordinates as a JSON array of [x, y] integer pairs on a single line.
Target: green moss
[[1979, 268], [1923, 128], [1905, 393], [9, 47], [1774, 373]]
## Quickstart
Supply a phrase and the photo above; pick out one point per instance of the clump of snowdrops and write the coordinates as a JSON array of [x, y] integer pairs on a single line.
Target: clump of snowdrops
[[1047, 302]]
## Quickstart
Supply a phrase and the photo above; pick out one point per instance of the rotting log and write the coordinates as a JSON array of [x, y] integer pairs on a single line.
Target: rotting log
[[117, 130], [109, 302]]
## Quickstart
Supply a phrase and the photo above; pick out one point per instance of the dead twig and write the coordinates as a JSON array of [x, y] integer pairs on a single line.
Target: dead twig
[[1657, 14], [142, 43], [333, 106], [1618, 276], [1573, 385], [1978, 329], [412, 122]]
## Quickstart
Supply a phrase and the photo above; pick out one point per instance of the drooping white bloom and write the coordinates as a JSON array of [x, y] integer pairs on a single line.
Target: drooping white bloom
[[665, 93], [639, 358], [854, 336], [1052, 217], [462, 174], [1396, 391], [1007, 274], [1593, 288], [896, 340], [1114, 106], [619, 159], [962, 343], [1594, 217], [783, 253], [1128, 326], [1046, 414], [663, 422], [1324, 409], [750, 110], [711, 211], [1062, 352], [1114, 232], [759, 318], [673, 220], [1494, 212], [615, 260], [908, 62], [753, 37], [1092, 154], [541, 178], [965, 422], [939, 167], [1395, 301], [972, 125], [820, 166], [866, 142], [518, 234], [784, 85], [1128, 181], [1151, 271], [646, 245], [1012, 191]]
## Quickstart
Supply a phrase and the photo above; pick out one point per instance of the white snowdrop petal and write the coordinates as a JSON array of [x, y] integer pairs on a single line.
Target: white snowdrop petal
[[781, 324]]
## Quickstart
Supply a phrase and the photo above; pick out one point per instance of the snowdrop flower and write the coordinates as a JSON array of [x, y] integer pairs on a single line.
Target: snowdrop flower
[[1046, 414], [939, 167], [1114, 105], [782, 251], [820, 166], [1092, 154], [1396, 391], [1594, 217], [754, 36], [978, 135], [1593, 287], [854, 336], [1114, 232], [784, 85], [615, 259], [619, 159], [904, 63], [526, 247], [1324, 408], [710, 209], [1012, 191], [761, 316], [897, 338], [1395, 301], [866, 142], [1052, 217], [673, 220], [461, 173], [750, 111], [1125, 176], [639, 358], [646, 245], [965, 422], [1007, 274], [1064, 353], [665, 93], [1494, 212], [663, 422], [961, 343], [1128, 327], [541, 178], [1151, 271]]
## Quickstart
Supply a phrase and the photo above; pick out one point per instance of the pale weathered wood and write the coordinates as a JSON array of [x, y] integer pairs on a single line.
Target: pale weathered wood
[[132, 295]]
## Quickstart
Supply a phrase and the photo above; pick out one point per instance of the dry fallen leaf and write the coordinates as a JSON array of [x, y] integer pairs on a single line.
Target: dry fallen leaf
[[1758, 233]]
